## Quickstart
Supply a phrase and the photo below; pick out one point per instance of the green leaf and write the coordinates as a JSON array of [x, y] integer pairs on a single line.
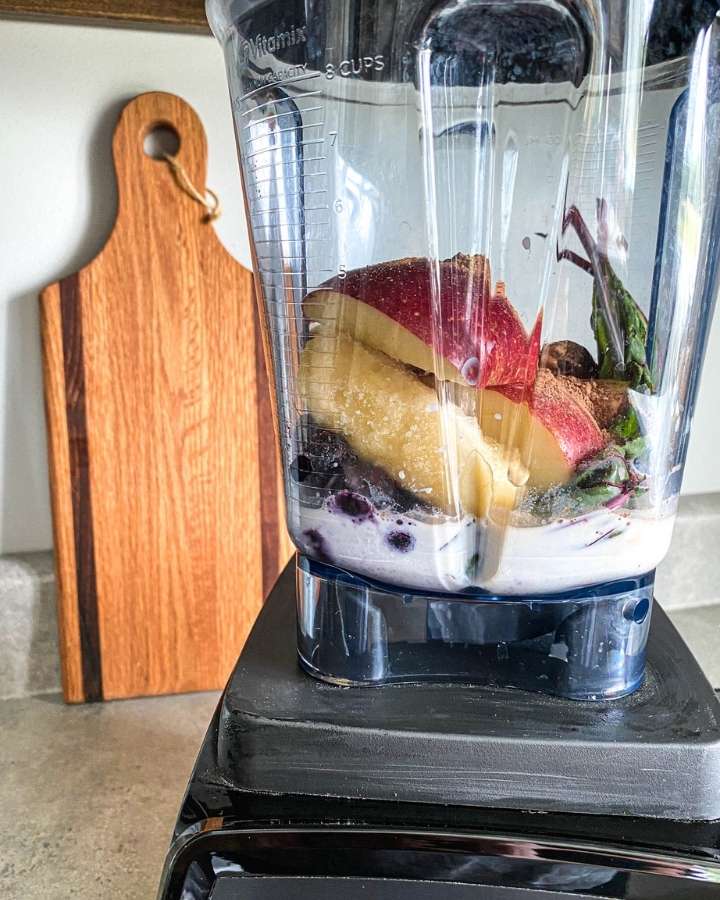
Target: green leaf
[[601, 471], [634, 449], [627, 426], [632, 323], [597, 482]]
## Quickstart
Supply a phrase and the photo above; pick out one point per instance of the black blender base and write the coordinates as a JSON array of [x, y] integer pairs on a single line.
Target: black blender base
[[269, 888], [307, 790], [655, 753]]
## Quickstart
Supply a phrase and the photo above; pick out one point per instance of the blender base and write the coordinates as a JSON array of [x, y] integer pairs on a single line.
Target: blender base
[[586, 644], [305, 789], [653, 753]]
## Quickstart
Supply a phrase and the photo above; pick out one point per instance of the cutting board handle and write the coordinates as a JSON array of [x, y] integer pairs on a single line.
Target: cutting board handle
[[138, 173]]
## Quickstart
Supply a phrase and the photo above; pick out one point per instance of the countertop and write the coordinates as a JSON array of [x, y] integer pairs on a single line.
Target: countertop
[[89, 794]]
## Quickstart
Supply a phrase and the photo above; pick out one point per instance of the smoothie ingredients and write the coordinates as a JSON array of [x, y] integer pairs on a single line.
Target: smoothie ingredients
[[422, 394], [468, 333], [568, 358], [552, 428], [620, 326], [393, 420]]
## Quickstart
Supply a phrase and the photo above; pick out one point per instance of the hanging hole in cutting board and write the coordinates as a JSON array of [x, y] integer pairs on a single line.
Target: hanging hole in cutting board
[[160, 140]]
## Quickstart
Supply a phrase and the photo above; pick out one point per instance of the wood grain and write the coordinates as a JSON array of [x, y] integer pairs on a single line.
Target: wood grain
[[159, 437], [181, 15]]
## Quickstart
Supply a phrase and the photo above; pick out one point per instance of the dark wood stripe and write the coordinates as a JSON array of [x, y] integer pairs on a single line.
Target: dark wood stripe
[[72, 339], [180, 15], [267, 466]]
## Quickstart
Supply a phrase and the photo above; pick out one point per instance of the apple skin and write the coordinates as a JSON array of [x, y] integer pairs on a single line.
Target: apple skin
[[552, 430], [478, 336]]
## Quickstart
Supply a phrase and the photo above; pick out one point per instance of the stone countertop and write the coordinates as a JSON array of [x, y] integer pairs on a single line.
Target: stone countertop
[[89, 794]]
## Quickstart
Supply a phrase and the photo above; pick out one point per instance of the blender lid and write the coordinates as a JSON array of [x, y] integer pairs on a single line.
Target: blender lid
[[655, 753]]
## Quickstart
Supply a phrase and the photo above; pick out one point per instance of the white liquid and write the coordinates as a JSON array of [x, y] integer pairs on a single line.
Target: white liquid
[[451, 556]]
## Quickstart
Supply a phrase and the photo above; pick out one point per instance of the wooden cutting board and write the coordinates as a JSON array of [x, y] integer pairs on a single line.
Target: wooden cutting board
[[163, 459]]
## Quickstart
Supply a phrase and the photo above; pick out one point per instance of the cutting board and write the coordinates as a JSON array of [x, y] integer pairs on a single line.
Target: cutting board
[[164, 477]]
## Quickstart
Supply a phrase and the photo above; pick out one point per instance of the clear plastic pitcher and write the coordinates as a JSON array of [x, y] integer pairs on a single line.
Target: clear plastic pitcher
[[486, 238]]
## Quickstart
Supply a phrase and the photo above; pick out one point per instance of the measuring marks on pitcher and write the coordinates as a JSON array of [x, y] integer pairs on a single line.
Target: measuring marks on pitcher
[[285, 154]]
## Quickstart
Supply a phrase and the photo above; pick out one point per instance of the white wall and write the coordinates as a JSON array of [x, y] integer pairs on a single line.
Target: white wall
[[61, 89]]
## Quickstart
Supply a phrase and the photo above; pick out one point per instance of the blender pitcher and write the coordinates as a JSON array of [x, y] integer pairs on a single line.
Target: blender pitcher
[[485, 237]]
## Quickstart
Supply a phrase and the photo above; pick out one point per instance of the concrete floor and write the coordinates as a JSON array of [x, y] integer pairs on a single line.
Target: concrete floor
[[89, 794]]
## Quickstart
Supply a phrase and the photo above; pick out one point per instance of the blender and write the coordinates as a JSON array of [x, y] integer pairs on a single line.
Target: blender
[[485, 241]]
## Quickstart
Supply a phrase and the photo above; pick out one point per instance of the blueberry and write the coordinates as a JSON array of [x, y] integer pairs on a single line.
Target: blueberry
[[326, 450], [401, 541], [326, 464], [316, 546], [353, 505]]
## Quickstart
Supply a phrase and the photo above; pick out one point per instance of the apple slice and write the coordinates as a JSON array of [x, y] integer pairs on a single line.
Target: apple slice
[[479, 337], [392, 420], [552, 429], [607, 399]]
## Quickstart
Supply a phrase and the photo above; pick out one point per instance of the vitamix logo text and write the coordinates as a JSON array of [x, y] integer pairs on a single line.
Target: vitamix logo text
[[262, 43]]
